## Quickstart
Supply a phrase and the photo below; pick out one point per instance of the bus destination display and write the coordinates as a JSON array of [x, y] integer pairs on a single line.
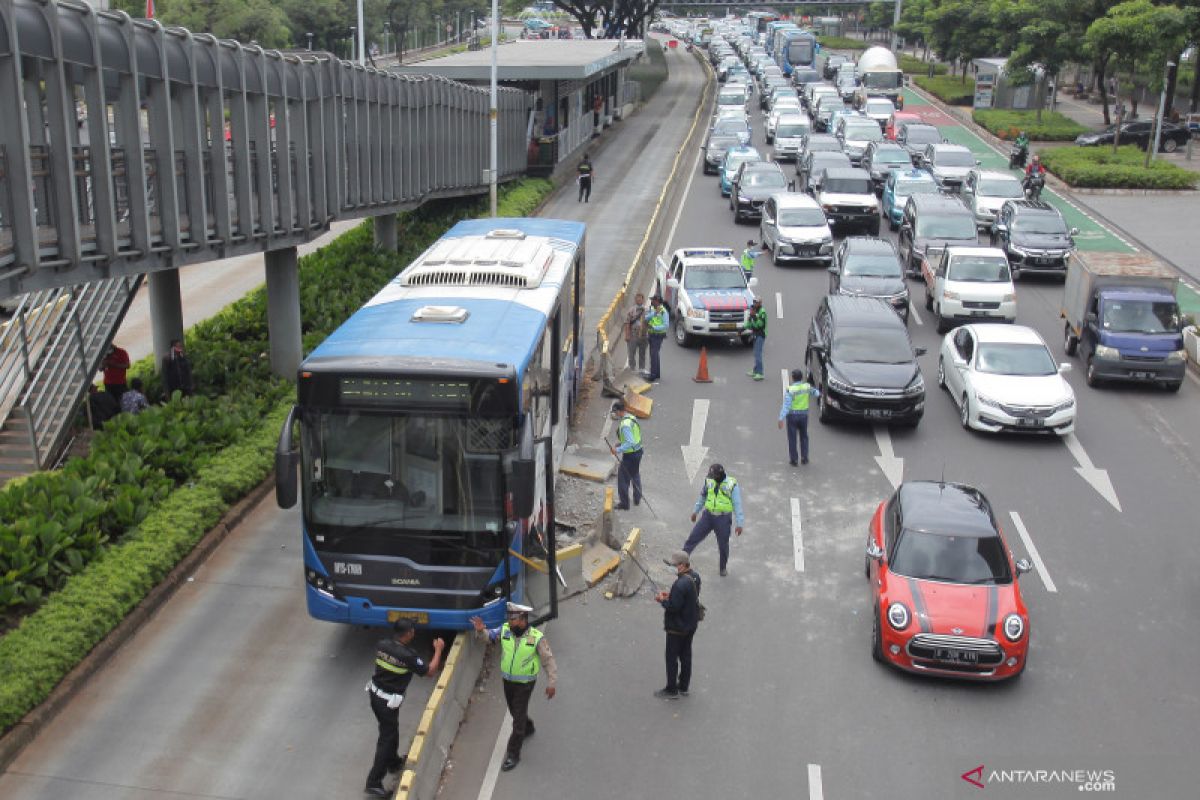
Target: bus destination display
[[398, 391]]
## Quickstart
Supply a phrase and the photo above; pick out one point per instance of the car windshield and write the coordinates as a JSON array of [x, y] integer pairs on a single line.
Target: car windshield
[[922, 136], [1010, 358], [872, 265], [791, 130], [955, 158], [801, 218], [847, 185], [731, 99], [956, 559], [947, 226], [977, 269], [890, 156], [1140, 316], [730, 126], [871, 346], [772, 178], [1000, 187], [716, 276], [828, 145], [862, 133], [735, 160], [905, 188], [881, 107], [883, 80], [1044, 224]]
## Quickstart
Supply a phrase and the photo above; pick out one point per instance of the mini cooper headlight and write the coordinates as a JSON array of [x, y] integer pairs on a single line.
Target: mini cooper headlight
[[898, 616], [1014, 627]]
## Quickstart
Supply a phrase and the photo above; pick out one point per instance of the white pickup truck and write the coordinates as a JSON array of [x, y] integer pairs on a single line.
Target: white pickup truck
[[705, 292]]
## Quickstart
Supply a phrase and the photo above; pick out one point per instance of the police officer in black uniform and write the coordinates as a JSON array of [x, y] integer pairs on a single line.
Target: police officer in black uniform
[[395, 664]]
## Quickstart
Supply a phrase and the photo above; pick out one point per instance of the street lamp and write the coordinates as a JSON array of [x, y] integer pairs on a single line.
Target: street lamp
[[437, 29], [387, 26], [1162, 109], [352, 30]]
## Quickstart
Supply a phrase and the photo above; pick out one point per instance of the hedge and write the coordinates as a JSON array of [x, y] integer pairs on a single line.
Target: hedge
[[915, 66], [842, 43], [131, 519], [948, 88], [1100, 168], [1054, 127]]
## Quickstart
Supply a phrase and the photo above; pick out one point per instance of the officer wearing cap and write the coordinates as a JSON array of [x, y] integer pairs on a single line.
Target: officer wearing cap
[[656, 331], [720, 501], [681, 617], [524, 652], [629, 450], [756, 326], [395, 664]]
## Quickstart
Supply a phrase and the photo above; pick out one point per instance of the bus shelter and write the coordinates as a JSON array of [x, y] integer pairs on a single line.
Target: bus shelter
[[580, 86]]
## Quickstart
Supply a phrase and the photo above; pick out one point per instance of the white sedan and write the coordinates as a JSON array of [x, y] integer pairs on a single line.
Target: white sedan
[[1004, 378]]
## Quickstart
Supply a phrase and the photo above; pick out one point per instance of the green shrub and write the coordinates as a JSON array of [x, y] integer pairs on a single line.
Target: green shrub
[[99, 534], [1100, 168], [651, 71], [1006, 124], [915, 66], [842, 43], [948, 88]]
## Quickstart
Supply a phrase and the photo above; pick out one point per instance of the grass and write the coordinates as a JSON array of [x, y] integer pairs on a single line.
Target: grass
[[1006, 124], [1100, 168], [948, 88], [651, 71], [842, 43], [915, 66]]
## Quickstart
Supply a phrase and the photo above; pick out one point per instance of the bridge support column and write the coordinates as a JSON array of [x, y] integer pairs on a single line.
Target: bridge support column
[[385, 232], [283, 311], [166, 312]]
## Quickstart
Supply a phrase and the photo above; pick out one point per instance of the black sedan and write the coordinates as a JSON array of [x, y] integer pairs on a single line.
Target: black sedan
[[1138, 132]]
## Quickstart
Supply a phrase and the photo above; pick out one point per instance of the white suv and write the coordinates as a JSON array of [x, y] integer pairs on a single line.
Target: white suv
[[969, 284]]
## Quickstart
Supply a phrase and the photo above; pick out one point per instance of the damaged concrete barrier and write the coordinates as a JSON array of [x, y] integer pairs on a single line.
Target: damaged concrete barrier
[[629, 574]]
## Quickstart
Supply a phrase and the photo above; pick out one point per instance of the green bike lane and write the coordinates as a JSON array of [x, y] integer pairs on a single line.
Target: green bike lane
[[1093, 235]]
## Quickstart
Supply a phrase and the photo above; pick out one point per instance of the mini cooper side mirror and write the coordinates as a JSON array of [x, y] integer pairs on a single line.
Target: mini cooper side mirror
[[1024, 566], [875, 552]]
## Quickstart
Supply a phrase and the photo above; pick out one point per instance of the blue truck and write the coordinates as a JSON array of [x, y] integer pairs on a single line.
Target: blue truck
[[1122, 319]]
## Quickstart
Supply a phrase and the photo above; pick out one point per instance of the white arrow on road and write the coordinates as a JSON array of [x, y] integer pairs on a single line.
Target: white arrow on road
[[1097, 477], [893, 468], [694, 452]]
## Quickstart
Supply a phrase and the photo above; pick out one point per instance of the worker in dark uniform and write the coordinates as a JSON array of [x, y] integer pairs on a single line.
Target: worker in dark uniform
[[524, 652], [395, 664], [586, 172], [681, 617]]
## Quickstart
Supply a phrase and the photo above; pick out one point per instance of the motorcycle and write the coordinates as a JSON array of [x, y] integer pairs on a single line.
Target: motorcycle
[[1033, 186], [1017, 156]]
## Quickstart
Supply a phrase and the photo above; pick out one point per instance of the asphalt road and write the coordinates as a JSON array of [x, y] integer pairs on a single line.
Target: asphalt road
[[786, 701], [232, 691]]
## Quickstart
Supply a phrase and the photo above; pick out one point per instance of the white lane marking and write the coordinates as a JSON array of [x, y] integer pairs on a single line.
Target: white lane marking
[[815, 790], [797, 535], [1096, 477], [892, 467], [694, 452], [687, 191], [912, 312], [488, 787], [784, 379], [779, 305], [1033, 552]]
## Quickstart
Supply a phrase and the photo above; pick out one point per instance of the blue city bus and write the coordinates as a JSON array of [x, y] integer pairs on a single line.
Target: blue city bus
[[798, 48], [431, 423]]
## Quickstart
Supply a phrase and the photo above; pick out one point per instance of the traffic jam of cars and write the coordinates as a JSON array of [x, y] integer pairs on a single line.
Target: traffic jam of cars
[[944, 584]]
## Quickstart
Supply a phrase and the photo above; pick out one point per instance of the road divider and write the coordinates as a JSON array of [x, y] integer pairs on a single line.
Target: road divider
[[1033, 552]]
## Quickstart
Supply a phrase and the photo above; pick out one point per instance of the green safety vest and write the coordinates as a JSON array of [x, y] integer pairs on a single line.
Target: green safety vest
[[519, 660], [758, 323], [800, 395], [748, 260], [657, 320], [720, 498], [629, 423]]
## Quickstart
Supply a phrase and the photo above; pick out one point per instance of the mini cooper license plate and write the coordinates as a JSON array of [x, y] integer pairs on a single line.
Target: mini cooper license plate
[[956, 656]]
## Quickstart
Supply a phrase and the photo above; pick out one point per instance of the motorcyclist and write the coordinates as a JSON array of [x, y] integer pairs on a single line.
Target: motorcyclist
[[1035, 168], [1035, 177], [1020, 150]]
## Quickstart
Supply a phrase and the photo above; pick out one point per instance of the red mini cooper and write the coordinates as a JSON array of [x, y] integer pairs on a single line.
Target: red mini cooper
[[944, 585]]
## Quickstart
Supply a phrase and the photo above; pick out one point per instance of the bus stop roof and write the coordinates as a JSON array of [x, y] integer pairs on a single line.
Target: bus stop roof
[[532, 60]]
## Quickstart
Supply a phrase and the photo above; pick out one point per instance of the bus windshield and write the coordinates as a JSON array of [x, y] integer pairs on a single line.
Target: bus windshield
[[800, 53], [397, 473]]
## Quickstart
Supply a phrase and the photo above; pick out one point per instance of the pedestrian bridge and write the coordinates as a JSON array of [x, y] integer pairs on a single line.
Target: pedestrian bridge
[[127, 148]]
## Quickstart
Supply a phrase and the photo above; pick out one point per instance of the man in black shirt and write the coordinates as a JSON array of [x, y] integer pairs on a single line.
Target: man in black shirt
[[395, 664], [681, 617]]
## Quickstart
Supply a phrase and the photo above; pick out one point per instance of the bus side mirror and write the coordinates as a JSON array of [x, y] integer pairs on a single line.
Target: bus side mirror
[[521, 483], [286, 460]]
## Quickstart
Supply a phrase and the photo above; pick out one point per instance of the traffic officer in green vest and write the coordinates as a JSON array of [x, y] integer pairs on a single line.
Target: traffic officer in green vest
[[524, 652], [395, 664], [629, 451], [748, 256], [756, 326], [656, 328], [795, 413], [721, 501]]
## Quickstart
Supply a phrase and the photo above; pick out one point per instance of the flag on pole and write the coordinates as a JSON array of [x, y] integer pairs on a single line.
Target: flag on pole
[[149, 9]]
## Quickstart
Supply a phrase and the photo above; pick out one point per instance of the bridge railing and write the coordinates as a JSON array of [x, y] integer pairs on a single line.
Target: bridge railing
[[127, 147]]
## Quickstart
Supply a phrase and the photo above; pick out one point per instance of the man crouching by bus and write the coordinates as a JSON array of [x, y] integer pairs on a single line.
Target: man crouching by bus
[[395, 664], [524, 651]]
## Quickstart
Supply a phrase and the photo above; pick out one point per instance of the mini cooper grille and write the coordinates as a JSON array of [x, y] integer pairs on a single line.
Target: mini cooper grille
[[955, 650]]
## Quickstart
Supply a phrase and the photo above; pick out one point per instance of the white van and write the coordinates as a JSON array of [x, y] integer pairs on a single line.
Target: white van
[[969, 284], [794, 228]]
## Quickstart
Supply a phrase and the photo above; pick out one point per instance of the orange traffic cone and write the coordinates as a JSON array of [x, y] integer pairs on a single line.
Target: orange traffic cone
[[702, 372]]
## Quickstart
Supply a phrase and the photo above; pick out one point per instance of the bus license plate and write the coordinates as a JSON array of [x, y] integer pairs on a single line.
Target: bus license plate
[[417, 617]]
